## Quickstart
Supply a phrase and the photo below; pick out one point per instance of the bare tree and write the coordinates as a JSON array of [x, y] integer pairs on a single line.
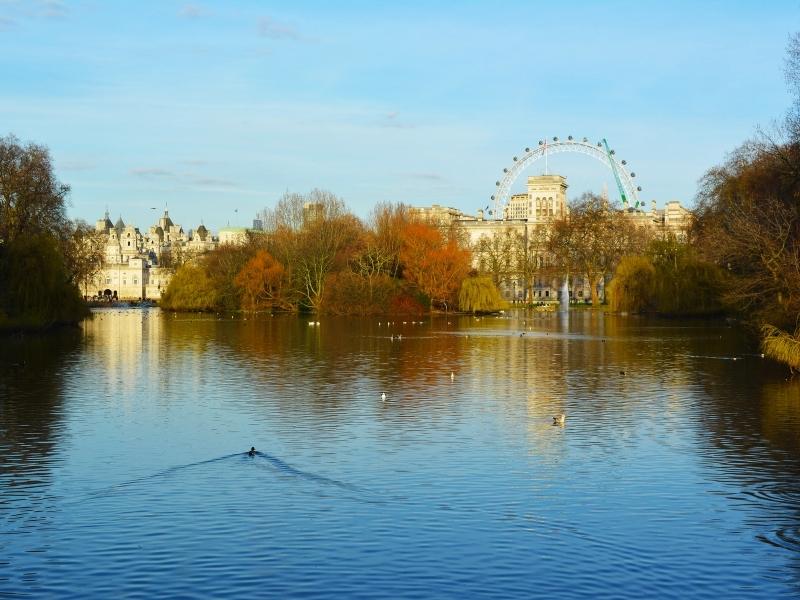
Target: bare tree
[[31, 198], [593, 239], [309, 234]]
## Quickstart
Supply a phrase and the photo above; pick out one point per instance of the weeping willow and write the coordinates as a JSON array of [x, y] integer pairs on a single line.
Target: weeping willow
[[479, 294], [781, 346], [633, 285], [190, 289], [35, 289]]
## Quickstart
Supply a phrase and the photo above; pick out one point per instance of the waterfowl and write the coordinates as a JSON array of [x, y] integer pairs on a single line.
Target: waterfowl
[[383, 396], [559, 419], [252, 451]]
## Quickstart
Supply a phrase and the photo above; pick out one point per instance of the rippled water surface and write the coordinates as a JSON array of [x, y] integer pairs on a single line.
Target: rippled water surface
[[124, 473]]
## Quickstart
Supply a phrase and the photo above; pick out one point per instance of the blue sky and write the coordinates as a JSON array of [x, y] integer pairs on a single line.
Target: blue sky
[[214, 109]]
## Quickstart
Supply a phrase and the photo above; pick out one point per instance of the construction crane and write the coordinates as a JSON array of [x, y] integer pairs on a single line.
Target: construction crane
[[613, 164]]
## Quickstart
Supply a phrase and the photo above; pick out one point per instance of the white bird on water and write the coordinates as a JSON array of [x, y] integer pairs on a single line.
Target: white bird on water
[[383, 396], [452, 376]]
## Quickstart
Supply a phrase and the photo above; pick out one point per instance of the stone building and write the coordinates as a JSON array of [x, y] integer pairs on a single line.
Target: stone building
[[136, 265], [527, 216]]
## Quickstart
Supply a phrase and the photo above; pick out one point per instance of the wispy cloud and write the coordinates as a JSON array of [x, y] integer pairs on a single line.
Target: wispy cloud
[[272, 29], [425, 176], [152, 173], [192, 11], [182, 178], [210, 182], [52, 9], [391, 119]]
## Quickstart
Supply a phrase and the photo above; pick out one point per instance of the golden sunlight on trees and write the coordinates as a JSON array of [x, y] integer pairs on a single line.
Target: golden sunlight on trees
[[262, 280], [631, 289], [311, 233], [669, 279], [190, 289], [435, 265], [479, 294]]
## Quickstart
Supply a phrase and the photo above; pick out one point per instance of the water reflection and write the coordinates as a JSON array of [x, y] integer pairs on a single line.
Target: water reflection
[[31, 404], [123, 452]]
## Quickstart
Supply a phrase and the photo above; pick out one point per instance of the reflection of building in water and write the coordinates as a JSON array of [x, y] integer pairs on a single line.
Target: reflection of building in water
[[527, 218], [137, 265], [130, 345]]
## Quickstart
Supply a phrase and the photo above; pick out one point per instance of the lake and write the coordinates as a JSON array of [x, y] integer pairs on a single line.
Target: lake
[[124, 472]]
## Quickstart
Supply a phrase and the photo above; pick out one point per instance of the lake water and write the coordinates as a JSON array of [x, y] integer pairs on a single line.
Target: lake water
[[123, 470]]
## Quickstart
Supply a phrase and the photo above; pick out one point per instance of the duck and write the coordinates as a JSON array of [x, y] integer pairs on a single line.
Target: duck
[[252, 451], [559, 419], [383, 396]]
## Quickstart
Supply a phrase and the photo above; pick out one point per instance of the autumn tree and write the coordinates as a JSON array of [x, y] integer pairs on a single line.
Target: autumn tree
[[748, 223], [262, 281], [311, 235], [387, 222], [435, 265]]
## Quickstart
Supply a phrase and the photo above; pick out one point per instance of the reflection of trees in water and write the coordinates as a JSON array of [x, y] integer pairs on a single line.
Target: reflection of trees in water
[[749, 417], [31, 405], [320, 369]]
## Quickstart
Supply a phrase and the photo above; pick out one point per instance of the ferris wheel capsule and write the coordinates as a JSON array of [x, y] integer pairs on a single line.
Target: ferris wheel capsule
[[639, 189], [555, 138], [599, 145], [611, 152], [497, 183], [527, 149], [633, 174], [569, 138], [492, 197], [505, 170], [624, 162], [515, 159], [541, 142], [585, 140]]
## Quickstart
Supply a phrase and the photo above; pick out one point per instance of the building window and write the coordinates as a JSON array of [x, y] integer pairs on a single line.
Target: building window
[[108, 279], [135, 281]]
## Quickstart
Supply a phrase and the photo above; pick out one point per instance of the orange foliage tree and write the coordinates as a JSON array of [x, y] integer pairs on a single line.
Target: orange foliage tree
[[434, 264], [262, 283]]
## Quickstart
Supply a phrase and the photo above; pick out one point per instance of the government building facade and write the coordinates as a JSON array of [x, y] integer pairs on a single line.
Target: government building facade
[[531, 214], [138, 266]]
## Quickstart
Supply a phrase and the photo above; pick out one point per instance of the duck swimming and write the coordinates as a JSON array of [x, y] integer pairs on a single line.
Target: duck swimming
[[252, 451], [559, 419]]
